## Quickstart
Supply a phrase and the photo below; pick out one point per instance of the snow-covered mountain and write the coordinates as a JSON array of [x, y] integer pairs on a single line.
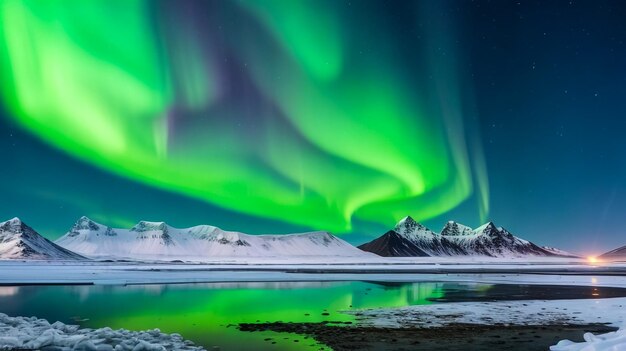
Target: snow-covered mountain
[[157, 240], [618, 254], [410, 238], [19, 241], [455, 229]]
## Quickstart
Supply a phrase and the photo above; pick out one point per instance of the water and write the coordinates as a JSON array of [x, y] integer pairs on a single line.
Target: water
[[209, 313]]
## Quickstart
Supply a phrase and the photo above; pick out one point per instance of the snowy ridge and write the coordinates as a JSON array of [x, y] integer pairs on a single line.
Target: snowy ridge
[[19, 241], [559, 252], [489, 240], [410, 238], [455, 229], [157, 240], [515, 312], [618, 254]]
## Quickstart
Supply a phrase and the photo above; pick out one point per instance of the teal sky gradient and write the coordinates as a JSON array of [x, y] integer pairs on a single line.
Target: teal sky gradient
[[274, 117]]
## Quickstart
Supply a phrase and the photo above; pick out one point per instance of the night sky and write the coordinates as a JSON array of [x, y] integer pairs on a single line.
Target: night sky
[[283, 116]]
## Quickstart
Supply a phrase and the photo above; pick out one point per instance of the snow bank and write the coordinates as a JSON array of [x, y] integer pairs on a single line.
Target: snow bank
[[524, 312], [33, 333], [613, 341], [128, 273], [610, 311]]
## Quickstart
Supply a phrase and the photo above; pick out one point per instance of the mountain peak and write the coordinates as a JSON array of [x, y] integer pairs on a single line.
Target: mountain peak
[[15, 220], [13, 225], [489, 229], [12, 221], [21, 241], [84, 223], [407, 219], [407, 226], [411, 230], [453, 228], [146, 226], [487, 226], [406, 223], [151, 223]]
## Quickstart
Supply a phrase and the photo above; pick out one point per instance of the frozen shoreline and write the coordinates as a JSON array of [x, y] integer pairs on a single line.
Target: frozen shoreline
[[526, 312], [609, 311], [522, 312], [126, 273]]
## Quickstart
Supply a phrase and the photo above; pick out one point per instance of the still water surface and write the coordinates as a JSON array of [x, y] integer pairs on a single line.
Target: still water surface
[[209, 313]]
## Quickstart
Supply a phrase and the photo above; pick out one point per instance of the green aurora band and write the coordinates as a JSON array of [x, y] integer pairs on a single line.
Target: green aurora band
[[301, 111]]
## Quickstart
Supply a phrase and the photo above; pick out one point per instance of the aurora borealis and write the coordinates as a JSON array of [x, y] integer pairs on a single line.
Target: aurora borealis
[[275, 116], [299, 136]]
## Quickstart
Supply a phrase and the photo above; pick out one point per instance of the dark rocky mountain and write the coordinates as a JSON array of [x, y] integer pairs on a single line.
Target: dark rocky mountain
[[618, 254], [392, 244], [410, 238]]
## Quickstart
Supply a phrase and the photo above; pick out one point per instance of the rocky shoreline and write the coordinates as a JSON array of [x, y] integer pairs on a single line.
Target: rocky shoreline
[[344, 336], [485, 324]]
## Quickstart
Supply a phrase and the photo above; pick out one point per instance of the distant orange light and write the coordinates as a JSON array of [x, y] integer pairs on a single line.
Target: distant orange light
[[592, 259]]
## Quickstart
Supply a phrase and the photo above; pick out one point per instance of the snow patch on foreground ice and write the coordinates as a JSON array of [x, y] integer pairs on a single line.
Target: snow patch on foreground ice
[[610, 311], [613, 341], [39, 334]]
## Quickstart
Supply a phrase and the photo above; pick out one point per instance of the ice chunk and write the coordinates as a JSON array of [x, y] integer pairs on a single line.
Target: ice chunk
[[33, 333], [613, 341]]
